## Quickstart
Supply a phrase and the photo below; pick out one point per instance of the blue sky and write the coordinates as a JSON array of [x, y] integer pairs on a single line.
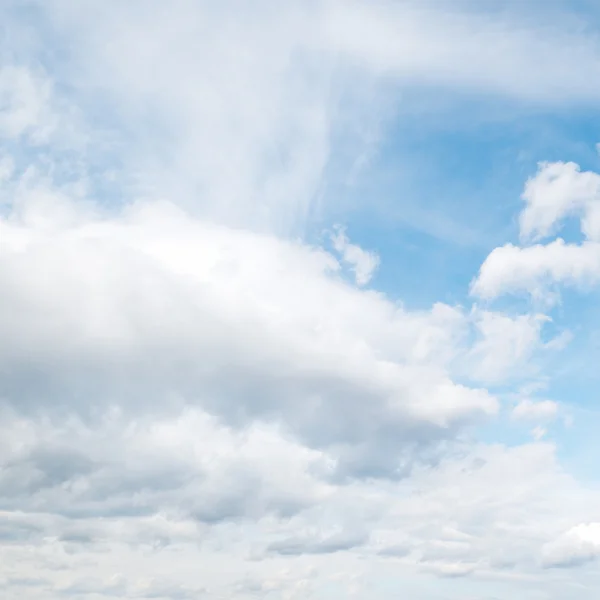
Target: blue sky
[[299, 300]]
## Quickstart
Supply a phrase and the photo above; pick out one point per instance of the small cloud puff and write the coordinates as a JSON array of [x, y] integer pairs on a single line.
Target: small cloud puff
[[362, 262]]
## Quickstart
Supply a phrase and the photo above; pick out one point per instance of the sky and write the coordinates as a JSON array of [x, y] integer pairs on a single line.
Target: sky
[[299, 300]]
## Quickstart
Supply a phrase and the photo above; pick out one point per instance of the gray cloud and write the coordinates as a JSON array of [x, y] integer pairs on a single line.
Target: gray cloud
[[337, 542]]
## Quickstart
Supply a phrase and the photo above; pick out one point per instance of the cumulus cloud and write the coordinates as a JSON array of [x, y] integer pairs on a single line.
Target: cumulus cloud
[[167, 379], [155, 305], [557, 191], [578, 545], [536, 269], [362, 262]]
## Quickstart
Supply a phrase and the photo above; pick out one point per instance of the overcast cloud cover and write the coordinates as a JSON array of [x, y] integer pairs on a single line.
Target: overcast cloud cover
[[299, 300]]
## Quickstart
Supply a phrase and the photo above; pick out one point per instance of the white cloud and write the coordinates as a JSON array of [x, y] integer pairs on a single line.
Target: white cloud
[[99, 506], [241, 106], [243, 130], [362, 262], [579, 545], [533, 269], [535, 410], [168, 476], [557, 191], [196, 390], [154, 303], [470, 49], [457, 519], [504, 345]]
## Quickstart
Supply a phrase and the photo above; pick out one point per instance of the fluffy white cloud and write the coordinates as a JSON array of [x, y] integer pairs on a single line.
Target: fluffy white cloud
[[557, 191], [578, 545], [154, 305], [534, 269], [96, 507], [181, 444], [362, 262], [186, 389]]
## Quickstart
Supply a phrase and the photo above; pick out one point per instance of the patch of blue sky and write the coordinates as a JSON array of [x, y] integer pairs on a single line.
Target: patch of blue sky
[[442, 192]]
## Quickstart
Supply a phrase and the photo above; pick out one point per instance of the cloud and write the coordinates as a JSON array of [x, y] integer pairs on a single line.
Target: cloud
[[167, 379], [25, 102], [530, 410], [557, 191], [216, 474], [119, 586], [154, 305], [577, 546], [291, 585], [451, 520], [458, 569], [504, 345], [533, 269], [467, 49], [244, 131], [362, 262], [324, 544], [241, 128]]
